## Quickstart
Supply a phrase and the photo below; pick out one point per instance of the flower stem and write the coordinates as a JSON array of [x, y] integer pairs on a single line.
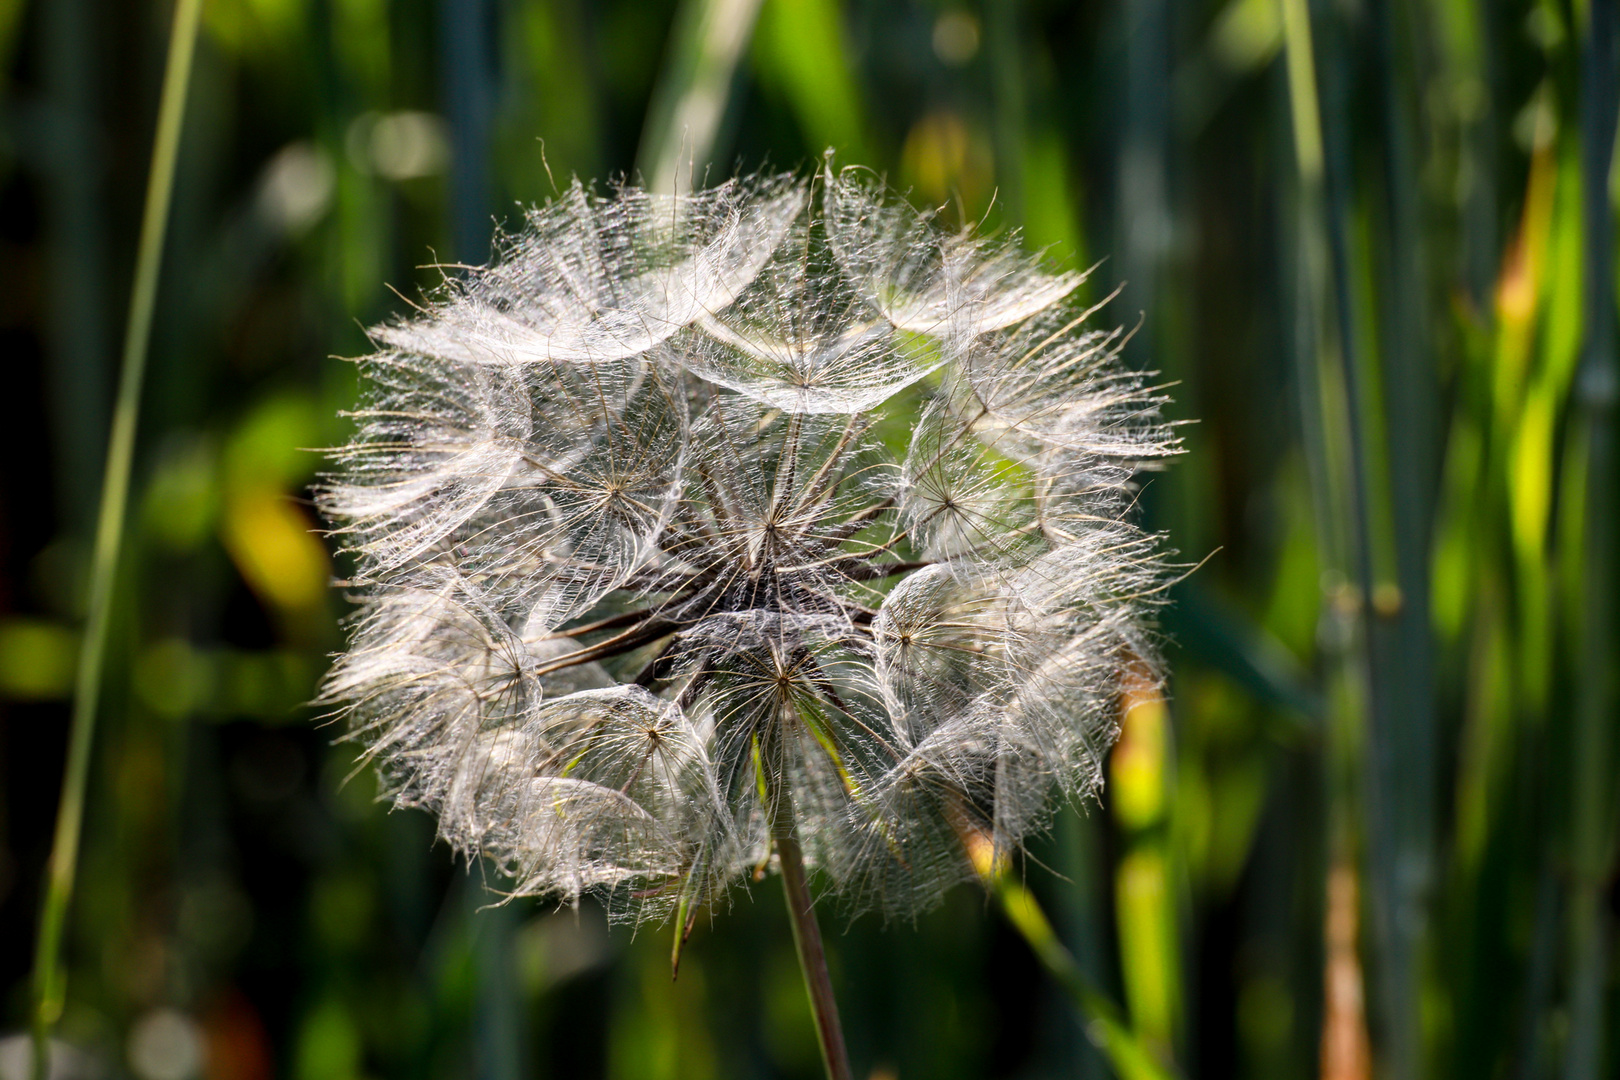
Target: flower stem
[[48, 980], [807, 936]]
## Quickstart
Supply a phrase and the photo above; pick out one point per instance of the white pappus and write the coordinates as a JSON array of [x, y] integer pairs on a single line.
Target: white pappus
[[692, 523]]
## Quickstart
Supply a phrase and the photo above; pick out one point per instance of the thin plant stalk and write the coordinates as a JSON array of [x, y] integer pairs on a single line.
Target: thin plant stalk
[[812, 958], [1593, 789], [1394, 405], [807, 934], [694, 90], [1335, 468], [1106, 1024], [49, 988]]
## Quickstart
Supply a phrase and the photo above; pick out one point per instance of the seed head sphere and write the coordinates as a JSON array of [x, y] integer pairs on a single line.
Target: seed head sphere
[[776, 498]]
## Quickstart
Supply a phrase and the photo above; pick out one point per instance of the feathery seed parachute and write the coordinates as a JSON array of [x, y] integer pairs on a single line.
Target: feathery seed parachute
[[693, 515]]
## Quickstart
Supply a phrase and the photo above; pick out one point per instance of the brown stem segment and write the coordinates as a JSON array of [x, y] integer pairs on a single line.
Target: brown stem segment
[[807, 938]]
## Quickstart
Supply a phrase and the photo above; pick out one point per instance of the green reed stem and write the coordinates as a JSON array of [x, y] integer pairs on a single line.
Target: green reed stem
[[49, 983], [1332, 451], [1593, 824], [694, 90], [1105, 1022]]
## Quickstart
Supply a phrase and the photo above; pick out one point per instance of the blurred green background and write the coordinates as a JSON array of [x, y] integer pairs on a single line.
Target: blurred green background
[[1369, 831]]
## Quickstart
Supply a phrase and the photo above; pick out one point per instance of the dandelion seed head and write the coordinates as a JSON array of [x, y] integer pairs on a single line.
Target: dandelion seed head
[[778, 487]]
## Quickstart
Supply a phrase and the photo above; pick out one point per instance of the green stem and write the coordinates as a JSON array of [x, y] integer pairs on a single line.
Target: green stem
[[1594, 808], [694, 89], [48, 979], [806, 934], [1106, 1024]]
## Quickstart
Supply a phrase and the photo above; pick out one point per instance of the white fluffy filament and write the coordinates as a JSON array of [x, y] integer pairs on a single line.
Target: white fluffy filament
[[778, 486]]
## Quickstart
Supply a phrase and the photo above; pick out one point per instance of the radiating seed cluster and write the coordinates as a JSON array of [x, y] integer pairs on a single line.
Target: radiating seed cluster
[[693, 515]]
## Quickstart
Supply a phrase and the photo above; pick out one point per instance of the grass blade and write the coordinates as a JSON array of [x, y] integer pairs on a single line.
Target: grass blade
[[1106, 1023], [1593, 832], [48, 977], [683, 122]]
